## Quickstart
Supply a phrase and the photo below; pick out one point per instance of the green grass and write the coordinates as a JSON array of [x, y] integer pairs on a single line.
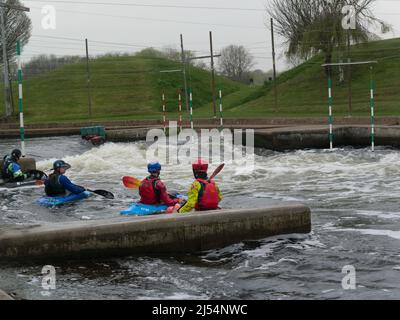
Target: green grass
[[303, 90], [122, 88]]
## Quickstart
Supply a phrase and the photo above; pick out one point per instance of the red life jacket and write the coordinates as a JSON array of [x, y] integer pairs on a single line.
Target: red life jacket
[[148, 192], [208, 196]]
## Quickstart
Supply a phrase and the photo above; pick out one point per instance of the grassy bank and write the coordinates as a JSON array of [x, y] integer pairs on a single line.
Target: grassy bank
[[130, 88]]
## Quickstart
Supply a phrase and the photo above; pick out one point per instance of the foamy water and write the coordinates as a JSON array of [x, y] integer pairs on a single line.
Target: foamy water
[[353, 194]]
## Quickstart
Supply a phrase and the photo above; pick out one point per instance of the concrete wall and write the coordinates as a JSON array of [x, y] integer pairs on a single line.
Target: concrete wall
[[294, 138], [4, 296], [26, 164], [175, 233], [281, 139]]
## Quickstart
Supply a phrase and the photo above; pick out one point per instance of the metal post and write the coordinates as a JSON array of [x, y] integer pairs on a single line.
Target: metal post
[[372, 102], [88, 78], [274, 64], [5, 64], [184, 62], [330, 102], [20, 97], [220, 111], [213, 77]]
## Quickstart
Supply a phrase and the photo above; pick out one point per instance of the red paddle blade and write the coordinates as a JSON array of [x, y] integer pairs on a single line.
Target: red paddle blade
[[131, 182], [218, 170]]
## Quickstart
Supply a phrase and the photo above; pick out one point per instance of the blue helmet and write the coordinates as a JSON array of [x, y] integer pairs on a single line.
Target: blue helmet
[[154, 167], [61, 164]]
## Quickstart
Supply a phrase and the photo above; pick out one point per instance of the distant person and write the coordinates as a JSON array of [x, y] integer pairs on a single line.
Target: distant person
[[11, 171], [204, 194], [58, 184], [152, 190]]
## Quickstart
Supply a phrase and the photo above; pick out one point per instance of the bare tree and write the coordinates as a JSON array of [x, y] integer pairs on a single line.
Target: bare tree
[[235, 62], [18, 27], [315, 26]]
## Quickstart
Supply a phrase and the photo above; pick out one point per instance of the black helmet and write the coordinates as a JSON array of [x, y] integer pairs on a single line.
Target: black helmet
[[60, 164], [16, 154]]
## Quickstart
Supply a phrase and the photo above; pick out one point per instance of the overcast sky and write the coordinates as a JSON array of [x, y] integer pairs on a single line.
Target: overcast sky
[[129, 28]]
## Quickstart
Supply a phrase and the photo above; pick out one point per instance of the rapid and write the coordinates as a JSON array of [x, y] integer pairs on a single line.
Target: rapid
[[353, 194]]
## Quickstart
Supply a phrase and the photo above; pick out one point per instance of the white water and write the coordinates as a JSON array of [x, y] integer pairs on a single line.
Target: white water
[[353, 194]]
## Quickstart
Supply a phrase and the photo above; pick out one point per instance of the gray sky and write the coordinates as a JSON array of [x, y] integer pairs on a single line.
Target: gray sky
[[124, 28]]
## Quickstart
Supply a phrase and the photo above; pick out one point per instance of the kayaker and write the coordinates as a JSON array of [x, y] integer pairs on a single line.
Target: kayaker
[[204, 194], [152, 190], [58, 184], [11, 171]]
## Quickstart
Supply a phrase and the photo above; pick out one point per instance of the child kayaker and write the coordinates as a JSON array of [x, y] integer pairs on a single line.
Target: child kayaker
[[58, 184], [152, 190], [204, 194]]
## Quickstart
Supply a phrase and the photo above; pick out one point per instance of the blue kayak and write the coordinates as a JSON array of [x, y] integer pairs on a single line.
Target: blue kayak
[[140, 209], [56, 201]]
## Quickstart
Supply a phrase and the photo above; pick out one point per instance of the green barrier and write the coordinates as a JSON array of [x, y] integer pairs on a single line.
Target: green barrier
[[93, 131]]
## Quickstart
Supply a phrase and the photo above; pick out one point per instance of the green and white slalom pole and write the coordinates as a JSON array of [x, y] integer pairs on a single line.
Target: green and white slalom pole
[[221, 117], [372, 102], [164, 113], [191, 108], [20, 97], [330, 102]]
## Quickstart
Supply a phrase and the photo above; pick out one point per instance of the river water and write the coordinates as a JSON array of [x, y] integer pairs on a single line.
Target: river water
[[353, 194]]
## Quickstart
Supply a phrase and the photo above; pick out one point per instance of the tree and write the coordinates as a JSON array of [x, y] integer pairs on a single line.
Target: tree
[[312, 27], [18, 27], [235, 62]]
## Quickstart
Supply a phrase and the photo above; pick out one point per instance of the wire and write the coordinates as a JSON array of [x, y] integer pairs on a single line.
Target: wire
[[156, 20], [148, 5]]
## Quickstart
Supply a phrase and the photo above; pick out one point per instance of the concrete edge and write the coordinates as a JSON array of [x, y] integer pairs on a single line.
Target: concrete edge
[[4, 296], [154, 234]]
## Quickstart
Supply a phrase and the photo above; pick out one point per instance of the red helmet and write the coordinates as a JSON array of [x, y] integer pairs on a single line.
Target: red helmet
[[200, 166]]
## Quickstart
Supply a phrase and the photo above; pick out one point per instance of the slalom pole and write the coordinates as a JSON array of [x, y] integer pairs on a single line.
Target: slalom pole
[[20, 98], [330, 102], [191, 108], [164, 113], [220, 111], [180, 111], [372, 103]]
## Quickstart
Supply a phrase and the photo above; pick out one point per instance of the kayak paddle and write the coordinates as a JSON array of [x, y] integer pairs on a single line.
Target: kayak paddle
[[103, 193], [131, 182], [218, 170], [134, 183]]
